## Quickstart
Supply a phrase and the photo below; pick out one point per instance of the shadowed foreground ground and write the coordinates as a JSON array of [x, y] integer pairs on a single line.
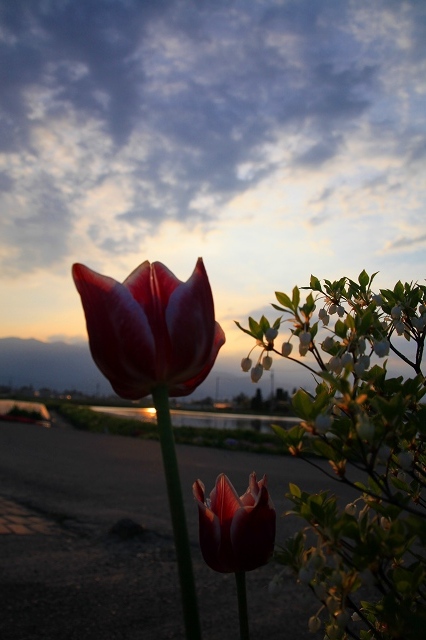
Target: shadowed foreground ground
[[65, 576]]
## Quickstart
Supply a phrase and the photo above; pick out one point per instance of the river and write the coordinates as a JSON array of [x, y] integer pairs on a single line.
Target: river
[[213, 420]]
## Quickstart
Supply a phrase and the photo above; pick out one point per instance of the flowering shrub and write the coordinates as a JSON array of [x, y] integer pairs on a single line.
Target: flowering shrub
[[365, 561]]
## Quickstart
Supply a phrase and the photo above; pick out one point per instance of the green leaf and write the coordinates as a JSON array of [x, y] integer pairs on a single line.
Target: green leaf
[[315, 284], [302, 404], [255, 329], [399, 290], [365, 323], [295, 297], [340, 329], [364, 279], [294, 490], [284, 300]]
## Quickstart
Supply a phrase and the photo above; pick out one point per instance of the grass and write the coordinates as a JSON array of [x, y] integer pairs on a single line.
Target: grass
[[82, 417]]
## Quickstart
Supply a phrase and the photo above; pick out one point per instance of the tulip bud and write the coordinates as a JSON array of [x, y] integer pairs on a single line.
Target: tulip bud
[[286, 349], [236, 534], [332, 309], [340, 311], [246, 364]]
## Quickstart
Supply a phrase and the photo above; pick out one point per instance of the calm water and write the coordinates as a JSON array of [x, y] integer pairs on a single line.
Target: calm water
[[202, 418]]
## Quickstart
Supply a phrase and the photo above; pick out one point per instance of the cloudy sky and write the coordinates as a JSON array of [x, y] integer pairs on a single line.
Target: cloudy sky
[[275, 138]]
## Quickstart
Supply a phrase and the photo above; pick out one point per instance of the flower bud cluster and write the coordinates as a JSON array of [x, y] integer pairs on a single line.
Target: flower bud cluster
[[336, 308], [324, 317], [265, 363]]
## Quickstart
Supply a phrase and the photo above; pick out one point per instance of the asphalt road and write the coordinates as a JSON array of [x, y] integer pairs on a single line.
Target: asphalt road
[[76, 581], [99, 479]]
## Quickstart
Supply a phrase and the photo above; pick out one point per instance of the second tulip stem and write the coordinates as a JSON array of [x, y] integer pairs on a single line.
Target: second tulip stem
[[240, 577], [180, 531]]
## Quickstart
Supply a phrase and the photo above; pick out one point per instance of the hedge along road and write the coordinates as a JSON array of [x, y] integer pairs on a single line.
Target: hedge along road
[[98, 479]]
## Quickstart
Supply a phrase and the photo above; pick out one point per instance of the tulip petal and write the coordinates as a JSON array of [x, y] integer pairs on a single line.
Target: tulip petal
[[188, 386], [209, 530], [191, 325], [252, 533], [249, 498], [120, 337], [224, 499]]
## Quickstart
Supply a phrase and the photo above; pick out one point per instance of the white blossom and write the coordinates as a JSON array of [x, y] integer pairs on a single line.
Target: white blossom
[[362, 365], [303, 350], [381, 347], [246, 364], [347, 360], [350, 509], [335, 365], [314, 624], [271, 334], [399, 327], [286, 349], [256, 373], [328, 343], [267, 363], [419, 323], [361, 346], [396, 312], [305, 338], [365, 429]]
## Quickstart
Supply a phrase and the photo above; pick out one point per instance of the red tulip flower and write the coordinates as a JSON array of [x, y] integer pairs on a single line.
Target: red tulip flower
[[151, 330], [236, 534]]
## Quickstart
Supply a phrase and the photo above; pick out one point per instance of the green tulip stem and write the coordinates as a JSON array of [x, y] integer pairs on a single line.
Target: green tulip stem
[[240, 577], [174, 489]]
